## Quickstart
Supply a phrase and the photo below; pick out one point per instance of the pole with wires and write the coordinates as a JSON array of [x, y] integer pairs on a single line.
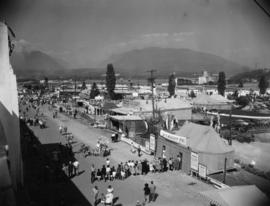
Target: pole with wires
[[151, 79]]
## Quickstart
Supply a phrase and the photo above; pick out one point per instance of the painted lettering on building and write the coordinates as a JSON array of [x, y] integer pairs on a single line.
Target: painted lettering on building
[[173, 137]]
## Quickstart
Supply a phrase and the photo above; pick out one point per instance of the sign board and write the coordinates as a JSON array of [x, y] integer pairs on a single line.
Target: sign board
[[147, 145], [173, 137], [194, 158], [152, 145], [202, 171]]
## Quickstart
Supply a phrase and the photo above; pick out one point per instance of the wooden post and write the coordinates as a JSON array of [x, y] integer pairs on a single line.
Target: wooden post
[[225, 170], [230, 140]]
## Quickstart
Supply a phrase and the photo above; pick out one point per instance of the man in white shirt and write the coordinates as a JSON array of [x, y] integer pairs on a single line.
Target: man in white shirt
[[109, 199], [76, 165]]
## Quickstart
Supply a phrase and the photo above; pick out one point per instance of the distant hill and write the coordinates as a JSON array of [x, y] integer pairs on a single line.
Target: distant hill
[[29, 63], [250, 75], [34, 64], [167, 60]]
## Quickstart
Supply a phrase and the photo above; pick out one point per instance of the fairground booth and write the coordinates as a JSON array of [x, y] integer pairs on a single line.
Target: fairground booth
[[200, 147], [210, 102], [132, 127]]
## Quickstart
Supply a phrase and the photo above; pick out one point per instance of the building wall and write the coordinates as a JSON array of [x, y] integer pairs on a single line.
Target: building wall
[[172, 150], [9, 110]]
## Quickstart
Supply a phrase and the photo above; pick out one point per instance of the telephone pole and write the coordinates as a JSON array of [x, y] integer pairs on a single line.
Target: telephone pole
[[152, 80]]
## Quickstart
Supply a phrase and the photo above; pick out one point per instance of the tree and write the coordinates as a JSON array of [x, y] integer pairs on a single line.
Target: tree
[[241, 85], [221, 84], [172, 85], [94, 91], [263, 84], [46, 82], [110, 80], [84, 86], [192, 94], [243, 100]]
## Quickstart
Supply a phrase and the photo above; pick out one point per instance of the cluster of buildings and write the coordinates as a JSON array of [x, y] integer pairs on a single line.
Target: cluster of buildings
[[200, 147]]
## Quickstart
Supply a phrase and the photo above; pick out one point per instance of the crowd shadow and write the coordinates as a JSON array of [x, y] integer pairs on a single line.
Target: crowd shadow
[[45, 181]]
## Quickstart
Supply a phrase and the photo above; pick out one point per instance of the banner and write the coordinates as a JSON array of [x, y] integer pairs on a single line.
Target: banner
[[202, 171], [152, 145], [174, 138], [194, 164], [147, 145]]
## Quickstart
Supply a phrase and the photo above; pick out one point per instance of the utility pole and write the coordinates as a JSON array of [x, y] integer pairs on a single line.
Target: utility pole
[[75, 85], [152, 80], [230, 119], [225, 170]]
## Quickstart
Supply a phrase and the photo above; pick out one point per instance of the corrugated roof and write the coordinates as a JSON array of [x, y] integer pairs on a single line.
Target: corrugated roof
[[203, 138]]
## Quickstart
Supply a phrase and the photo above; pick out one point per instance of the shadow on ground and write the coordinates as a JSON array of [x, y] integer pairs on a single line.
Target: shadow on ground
[[45, 182]]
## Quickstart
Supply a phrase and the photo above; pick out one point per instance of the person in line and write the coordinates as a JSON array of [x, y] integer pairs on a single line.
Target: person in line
[[76, 166], [99, 174], [107, 162], [108, 173], [103, 173], [170, 162]]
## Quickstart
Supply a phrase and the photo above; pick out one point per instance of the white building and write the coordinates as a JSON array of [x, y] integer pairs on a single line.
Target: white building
[[11, 173]]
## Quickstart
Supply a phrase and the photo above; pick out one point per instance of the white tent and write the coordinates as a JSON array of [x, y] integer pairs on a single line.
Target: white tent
[[209, 145]]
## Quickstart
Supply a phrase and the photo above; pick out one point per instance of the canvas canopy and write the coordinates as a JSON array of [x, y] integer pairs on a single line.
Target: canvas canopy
[[212, 101], [211, 148], [204, 139]]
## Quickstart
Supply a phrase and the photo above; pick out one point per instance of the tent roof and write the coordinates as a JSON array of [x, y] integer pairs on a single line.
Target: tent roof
[[210, 99], [247, 195], [203, 138], [126, 117]]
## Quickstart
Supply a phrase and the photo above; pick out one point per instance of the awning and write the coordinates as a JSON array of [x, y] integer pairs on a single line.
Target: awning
[[126, 117]]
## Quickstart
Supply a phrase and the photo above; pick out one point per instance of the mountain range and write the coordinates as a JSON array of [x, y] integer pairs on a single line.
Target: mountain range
[[168, 60], [29, 63]]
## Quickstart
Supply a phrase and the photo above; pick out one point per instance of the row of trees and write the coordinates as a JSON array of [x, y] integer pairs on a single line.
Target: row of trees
[[221, 84]]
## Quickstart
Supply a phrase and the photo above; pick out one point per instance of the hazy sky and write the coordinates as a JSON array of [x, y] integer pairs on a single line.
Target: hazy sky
[[86, 32]]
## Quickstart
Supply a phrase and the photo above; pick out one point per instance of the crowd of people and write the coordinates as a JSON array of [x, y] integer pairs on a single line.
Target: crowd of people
[[109, 172]]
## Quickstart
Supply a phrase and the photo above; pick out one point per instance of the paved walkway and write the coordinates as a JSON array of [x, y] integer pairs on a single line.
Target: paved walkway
[[174, 188]]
